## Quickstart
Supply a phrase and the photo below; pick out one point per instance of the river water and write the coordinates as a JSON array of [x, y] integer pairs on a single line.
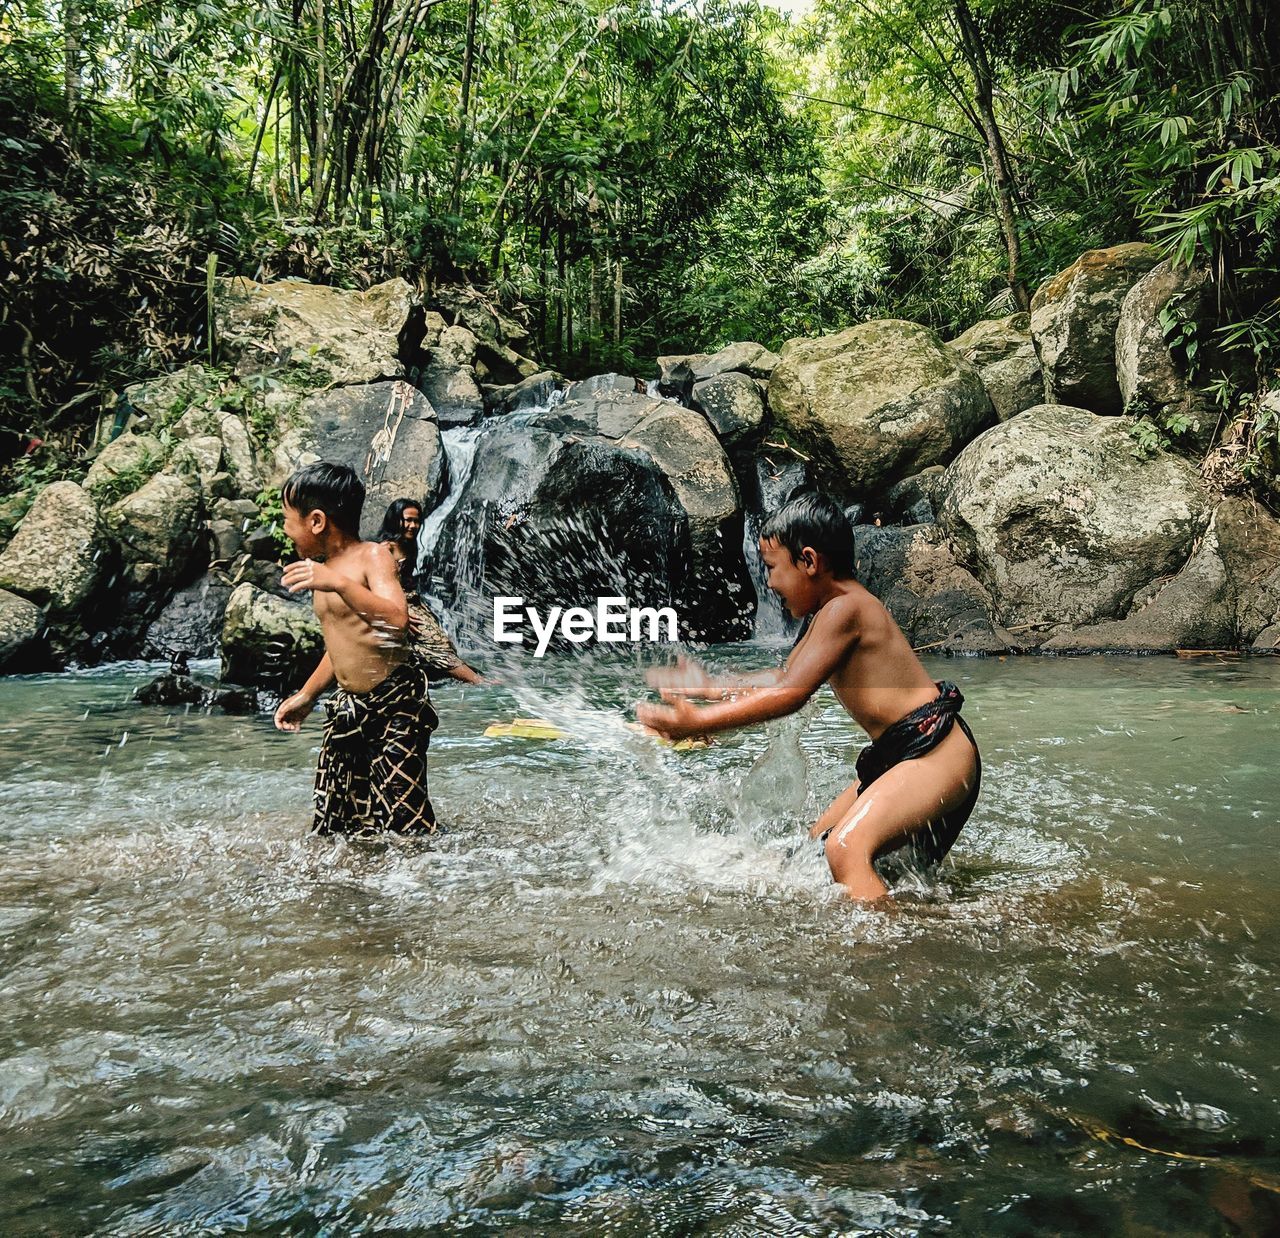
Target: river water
[[621, 995]]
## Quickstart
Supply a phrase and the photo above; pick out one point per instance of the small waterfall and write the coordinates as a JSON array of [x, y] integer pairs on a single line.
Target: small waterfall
[[774, 482], [459, 445]]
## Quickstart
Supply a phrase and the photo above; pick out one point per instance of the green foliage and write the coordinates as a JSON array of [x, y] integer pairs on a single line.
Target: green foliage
[[271, 511]]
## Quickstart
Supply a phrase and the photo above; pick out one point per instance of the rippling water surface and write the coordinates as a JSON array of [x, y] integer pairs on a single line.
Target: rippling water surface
[[621, 996]]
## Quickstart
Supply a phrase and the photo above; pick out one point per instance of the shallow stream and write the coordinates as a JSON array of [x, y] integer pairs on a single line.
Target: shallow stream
[[621, 995]]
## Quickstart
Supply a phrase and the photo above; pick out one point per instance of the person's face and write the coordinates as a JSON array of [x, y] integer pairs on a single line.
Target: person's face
[[792, 580], [304, 530], [411, 522]]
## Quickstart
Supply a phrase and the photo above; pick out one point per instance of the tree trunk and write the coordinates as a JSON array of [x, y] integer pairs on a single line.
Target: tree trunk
[[464, 107], [71, 84], [975, 54]]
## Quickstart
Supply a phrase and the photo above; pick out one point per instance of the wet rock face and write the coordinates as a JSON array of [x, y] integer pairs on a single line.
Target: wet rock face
[[55, 558], [1062, 522], [876, 403], [269, 641], [344, 337], [617, 496], [191, 622], [1074, 317], [387, 432]]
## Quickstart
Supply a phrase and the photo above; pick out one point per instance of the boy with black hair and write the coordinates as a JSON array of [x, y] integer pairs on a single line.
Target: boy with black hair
[[917, 782], [372, 772]]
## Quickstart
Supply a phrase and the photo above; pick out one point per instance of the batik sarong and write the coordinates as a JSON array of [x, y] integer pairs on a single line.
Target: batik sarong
[[372, 773]]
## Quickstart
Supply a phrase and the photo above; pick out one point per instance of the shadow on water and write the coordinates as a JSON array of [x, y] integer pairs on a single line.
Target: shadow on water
[[621, 995]]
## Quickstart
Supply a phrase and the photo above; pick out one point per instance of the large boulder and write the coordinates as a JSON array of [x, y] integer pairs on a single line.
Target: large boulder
[[269, 641], [21, 623], [1003, 352], [749, 358], [192, 620], [1152, 363], [939, 605], [157, 528], [1074, 317], [732, 403], [387, 432], [876, 403], [55, 557], [333, 335], [129, 458], [618, 496], [1063, 521], [535, 392], [1225, 596], [453, 392]]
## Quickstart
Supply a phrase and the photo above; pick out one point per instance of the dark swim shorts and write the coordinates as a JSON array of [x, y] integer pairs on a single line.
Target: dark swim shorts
[[920, 732]]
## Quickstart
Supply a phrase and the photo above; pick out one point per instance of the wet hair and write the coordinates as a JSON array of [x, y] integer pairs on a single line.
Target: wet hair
[[393, 519], [816, 520], [330, 488]]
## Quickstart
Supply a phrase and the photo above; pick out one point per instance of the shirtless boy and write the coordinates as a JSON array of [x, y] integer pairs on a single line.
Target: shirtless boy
[[372, 773], [917, 781]]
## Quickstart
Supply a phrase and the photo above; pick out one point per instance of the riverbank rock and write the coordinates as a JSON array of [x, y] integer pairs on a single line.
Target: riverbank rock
[[130, 455], [191, 621], [1074, 317], [339, 336], [938, 604], [157, 528], [387, 432], [732, 403], [1003, 352], [55, 557], [1225, 596], [532, 392], [21, 623], [1152, 380], [876, 403], [269, 641], [1060, 519], [620, 495]]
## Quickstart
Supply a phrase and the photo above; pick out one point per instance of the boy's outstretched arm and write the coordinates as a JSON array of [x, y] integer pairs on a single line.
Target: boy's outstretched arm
[[689, 677], [292, 712], [830, 640]]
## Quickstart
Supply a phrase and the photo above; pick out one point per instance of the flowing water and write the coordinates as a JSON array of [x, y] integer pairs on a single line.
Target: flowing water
[[621, 996]]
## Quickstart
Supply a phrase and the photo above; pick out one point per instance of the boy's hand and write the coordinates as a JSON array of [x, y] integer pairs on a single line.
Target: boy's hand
[[308, 574], [674, 721], [291, 713], [686, 678]]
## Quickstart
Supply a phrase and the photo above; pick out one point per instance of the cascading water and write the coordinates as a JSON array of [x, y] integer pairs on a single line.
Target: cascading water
[[774, 483]]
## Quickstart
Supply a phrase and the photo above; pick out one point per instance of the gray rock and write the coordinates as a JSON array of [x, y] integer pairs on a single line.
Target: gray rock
[[269, 641], [387, 432], [732, 403], [199, 456], [160, 400], [1062, 521], [333, 335], [749, 358], [533, 392], [599, 386], [1003, 352], [54, 558], [238, 455], [675, 376], [876, 403], [237, 511], [21, 623], [913, 500], [192, 620], [226, 540], [1152, 381], [157, 528], [456, 348], [128, 456], [1074, 317], [939, 605], [454, 393]]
